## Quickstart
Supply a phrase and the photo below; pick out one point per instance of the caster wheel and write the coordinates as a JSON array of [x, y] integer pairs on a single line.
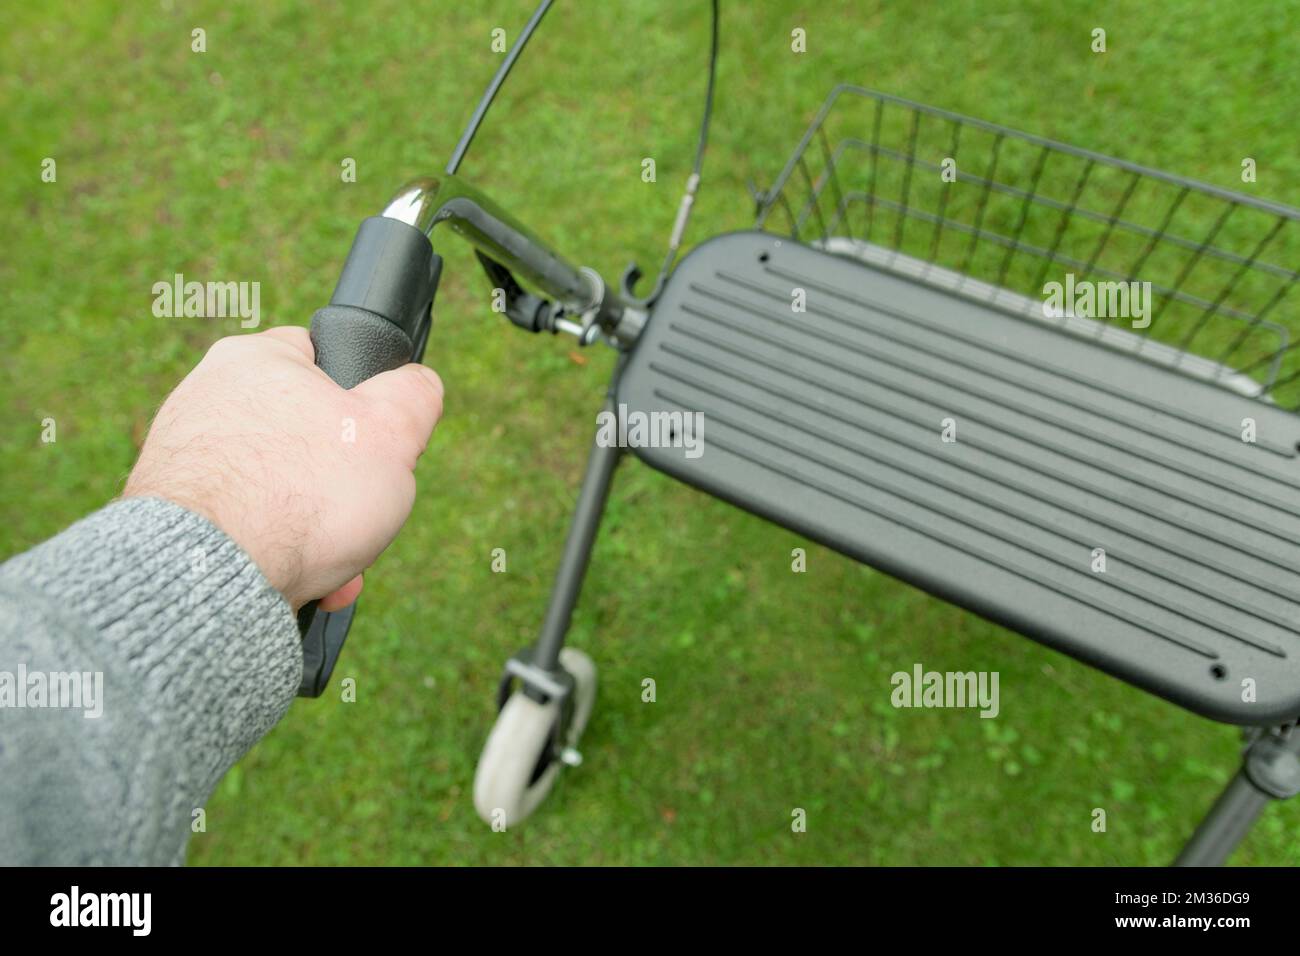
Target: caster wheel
[[517, 768]]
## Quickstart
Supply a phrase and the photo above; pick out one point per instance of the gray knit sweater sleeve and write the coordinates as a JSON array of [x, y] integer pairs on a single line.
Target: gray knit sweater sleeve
[[194, 656]]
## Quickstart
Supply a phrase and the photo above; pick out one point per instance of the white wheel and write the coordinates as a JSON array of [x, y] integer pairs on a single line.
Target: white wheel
[[584, 690], [507, 784]]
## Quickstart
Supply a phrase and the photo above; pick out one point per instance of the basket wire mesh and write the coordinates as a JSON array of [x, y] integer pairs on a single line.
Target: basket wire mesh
[[995, 214]]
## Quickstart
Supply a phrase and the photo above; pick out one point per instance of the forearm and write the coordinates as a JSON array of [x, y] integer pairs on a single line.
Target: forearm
[[199, 655]]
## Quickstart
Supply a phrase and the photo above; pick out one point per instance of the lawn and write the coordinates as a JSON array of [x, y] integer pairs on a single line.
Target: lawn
[[773, 689]]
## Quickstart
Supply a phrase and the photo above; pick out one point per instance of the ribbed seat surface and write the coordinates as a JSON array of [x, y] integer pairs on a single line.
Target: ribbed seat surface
[[830, 421]]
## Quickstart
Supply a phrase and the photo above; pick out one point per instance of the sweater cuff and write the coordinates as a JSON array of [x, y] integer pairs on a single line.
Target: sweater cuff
[[208, 643]]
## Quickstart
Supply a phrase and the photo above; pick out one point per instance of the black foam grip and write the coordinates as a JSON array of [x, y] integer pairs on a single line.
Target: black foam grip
[[353, 345]]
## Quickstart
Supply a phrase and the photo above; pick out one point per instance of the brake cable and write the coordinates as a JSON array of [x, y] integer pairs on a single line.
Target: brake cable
[[632, 274], [693, 182], [485, 102]]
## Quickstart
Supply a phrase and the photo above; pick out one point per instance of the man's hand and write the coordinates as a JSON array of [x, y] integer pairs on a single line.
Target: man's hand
[[311, 480]]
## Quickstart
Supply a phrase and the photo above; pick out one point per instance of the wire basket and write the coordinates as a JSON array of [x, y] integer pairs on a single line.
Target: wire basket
[[998, 215]]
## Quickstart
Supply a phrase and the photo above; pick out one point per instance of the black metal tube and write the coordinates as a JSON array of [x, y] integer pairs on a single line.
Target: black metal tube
[[577, 552], [1226, 825]]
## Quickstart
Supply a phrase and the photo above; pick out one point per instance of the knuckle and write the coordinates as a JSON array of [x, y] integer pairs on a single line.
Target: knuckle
[[224, 345], [395, 419]]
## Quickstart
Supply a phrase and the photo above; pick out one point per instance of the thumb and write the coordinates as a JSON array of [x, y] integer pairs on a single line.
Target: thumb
[[410, 397]]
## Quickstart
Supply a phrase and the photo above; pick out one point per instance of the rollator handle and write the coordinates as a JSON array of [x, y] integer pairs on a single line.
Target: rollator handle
[[378, 319]]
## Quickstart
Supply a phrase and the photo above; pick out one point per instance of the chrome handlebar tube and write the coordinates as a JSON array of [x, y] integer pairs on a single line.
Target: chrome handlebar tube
[[587, 307]]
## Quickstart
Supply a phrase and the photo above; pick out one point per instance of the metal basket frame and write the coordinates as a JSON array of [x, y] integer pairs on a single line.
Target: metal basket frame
[[1219, 264]]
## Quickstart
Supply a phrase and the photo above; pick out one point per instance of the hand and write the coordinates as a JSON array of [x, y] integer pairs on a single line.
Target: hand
[[312, 481]]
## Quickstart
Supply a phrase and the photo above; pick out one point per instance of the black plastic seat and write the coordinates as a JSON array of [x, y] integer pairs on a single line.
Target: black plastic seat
[[831, 422]]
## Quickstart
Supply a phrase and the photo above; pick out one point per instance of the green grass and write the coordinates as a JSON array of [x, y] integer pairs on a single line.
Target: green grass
[[773, 688]]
